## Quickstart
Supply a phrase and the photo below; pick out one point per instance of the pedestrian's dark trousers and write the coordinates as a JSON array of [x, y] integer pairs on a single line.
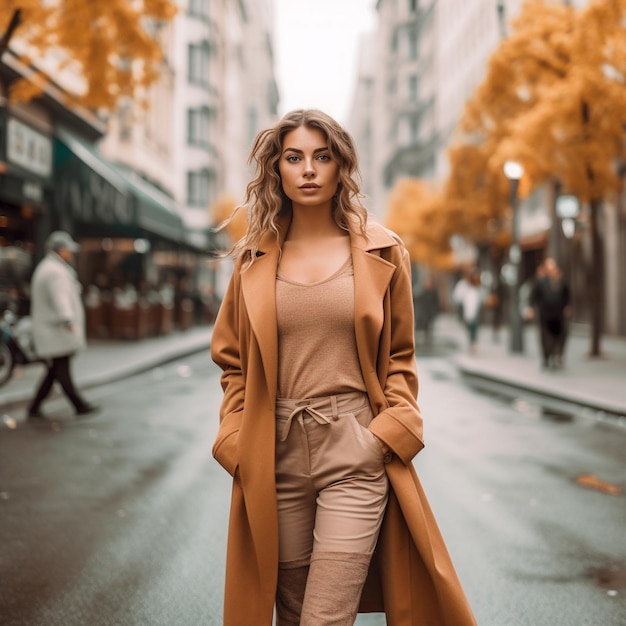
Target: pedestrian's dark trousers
[[58, 369], [552, 337]]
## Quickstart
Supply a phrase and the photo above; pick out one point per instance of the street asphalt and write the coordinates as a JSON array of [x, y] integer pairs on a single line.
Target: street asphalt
[[592, 387]]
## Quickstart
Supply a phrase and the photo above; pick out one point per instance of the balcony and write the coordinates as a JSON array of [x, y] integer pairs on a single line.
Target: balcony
[[415, 160]]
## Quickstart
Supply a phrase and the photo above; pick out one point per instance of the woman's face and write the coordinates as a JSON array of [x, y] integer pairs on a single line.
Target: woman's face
[[309, 174]]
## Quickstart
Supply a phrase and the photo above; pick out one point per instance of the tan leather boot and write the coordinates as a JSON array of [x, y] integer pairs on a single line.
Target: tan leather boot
[[292, 577], [333, 588]]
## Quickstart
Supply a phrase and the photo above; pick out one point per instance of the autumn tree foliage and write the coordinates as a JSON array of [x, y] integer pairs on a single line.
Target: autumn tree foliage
[[224, 215], [574, 129], [475, 196], [518, 74], [415, 212], [554, 98], [112, 45]]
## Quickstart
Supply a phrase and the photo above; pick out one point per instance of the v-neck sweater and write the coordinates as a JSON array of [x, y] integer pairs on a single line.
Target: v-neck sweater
[[317, 353]]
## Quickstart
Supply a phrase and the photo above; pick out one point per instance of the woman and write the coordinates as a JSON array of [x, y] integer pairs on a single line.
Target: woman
[[319, 421]]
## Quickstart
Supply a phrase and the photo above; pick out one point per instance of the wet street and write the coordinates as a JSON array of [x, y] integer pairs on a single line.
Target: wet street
[[120, 519]]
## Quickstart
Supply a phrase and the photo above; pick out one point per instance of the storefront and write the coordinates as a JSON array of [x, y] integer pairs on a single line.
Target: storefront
[[25, 200], [134, 244], [136, 253]]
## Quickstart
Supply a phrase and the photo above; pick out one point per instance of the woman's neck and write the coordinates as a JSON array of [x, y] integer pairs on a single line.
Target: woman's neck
[[312, 224]]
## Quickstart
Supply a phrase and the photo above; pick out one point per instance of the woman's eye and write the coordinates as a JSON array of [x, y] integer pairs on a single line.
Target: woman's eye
[[292, 158], [324, 157]]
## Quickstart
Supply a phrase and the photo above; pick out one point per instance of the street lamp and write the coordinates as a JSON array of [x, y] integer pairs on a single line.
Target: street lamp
[[514, 171]]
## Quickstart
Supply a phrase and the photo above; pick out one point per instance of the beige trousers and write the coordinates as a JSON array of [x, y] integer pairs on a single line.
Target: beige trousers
[[330, 477]]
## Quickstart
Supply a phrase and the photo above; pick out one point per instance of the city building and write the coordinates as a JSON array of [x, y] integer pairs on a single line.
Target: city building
[[400, 74], [217, 90], [136, 188], [361, 118]]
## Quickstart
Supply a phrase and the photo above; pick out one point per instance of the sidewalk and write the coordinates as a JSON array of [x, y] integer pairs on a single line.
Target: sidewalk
[[596, 385], [593, 384], [107, 361]]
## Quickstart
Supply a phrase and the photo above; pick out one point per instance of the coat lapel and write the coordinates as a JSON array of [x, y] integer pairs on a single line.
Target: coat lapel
[[258, 285], [372, 275]]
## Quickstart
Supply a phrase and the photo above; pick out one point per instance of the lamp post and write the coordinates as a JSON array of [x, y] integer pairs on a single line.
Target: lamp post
[[514, 171]]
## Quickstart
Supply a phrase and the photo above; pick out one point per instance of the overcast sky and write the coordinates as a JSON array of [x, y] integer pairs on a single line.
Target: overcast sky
[[316, 52]]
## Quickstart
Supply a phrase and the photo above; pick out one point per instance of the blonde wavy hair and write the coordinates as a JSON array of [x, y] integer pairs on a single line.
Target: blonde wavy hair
[[265, 201]]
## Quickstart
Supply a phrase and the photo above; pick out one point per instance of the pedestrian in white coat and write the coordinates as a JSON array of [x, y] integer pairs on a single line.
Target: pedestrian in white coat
[[58, 319], [469, 295]]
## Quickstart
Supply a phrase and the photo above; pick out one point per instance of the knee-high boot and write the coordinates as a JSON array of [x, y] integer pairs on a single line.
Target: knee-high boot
[[292, 577], [333, 589]]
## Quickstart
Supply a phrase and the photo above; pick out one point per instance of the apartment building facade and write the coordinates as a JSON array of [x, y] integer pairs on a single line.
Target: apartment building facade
[[397, 70], [216, 90]]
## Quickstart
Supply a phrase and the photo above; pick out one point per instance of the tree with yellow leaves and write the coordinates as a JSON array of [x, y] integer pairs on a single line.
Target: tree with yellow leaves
[[415, 212], [518, 72], [224, 214], [475, 196], [555, 99], [111, 45]]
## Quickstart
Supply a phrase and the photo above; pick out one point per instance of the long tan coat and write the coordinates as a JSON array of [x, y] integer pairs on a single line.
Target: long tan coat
[[411, 577]]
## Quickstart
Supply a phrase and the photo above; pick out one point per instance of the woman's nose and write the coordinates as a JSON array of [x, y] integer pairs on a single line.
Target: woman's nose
[[308, 168]]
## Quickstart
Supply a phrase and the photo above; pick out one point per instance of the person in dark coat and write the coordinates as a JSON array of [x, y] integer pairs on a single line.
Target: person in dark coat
[[550, 297], [426, 305]]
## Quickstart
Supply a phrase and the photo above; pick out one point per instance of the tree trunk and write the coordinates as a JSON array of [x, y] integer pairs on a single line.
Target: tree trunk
[[554, 236], [596, 284]]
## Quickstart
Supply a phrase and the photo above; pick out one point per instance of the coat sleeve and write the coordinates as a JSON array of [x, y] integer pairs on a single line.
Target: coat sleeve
[[226, 353], [400, 425], [58, 294]]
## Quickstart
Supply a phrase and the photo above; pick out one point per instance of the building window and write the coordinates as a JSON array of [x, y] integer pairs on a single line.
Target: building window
[[199, 58], [199, 8], [412, 44], [414, 129], [413, 88], [199, 126], [199, 187], [253, 124]]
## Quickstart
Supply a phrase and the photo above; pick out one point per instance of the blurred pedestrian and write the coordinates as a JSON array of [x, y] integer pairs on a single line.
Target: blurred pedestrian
[[550, 297], [495, 304], [58, 321], [469, 295], [319, 422], [426, 305]]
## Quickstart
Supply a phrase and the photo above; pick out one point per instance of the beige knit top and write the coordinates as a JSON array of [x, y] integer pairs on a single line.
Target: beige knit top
[[317, 354]]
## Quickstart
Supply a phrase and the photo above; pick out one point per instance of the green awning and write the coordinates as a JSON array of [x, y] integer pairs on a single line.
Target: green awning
[[90, 190]]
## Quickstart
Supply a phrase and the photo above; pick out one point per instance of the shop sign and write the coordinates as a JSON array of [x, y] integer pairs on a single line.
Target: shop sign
[[28, 148], [92, 199]]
